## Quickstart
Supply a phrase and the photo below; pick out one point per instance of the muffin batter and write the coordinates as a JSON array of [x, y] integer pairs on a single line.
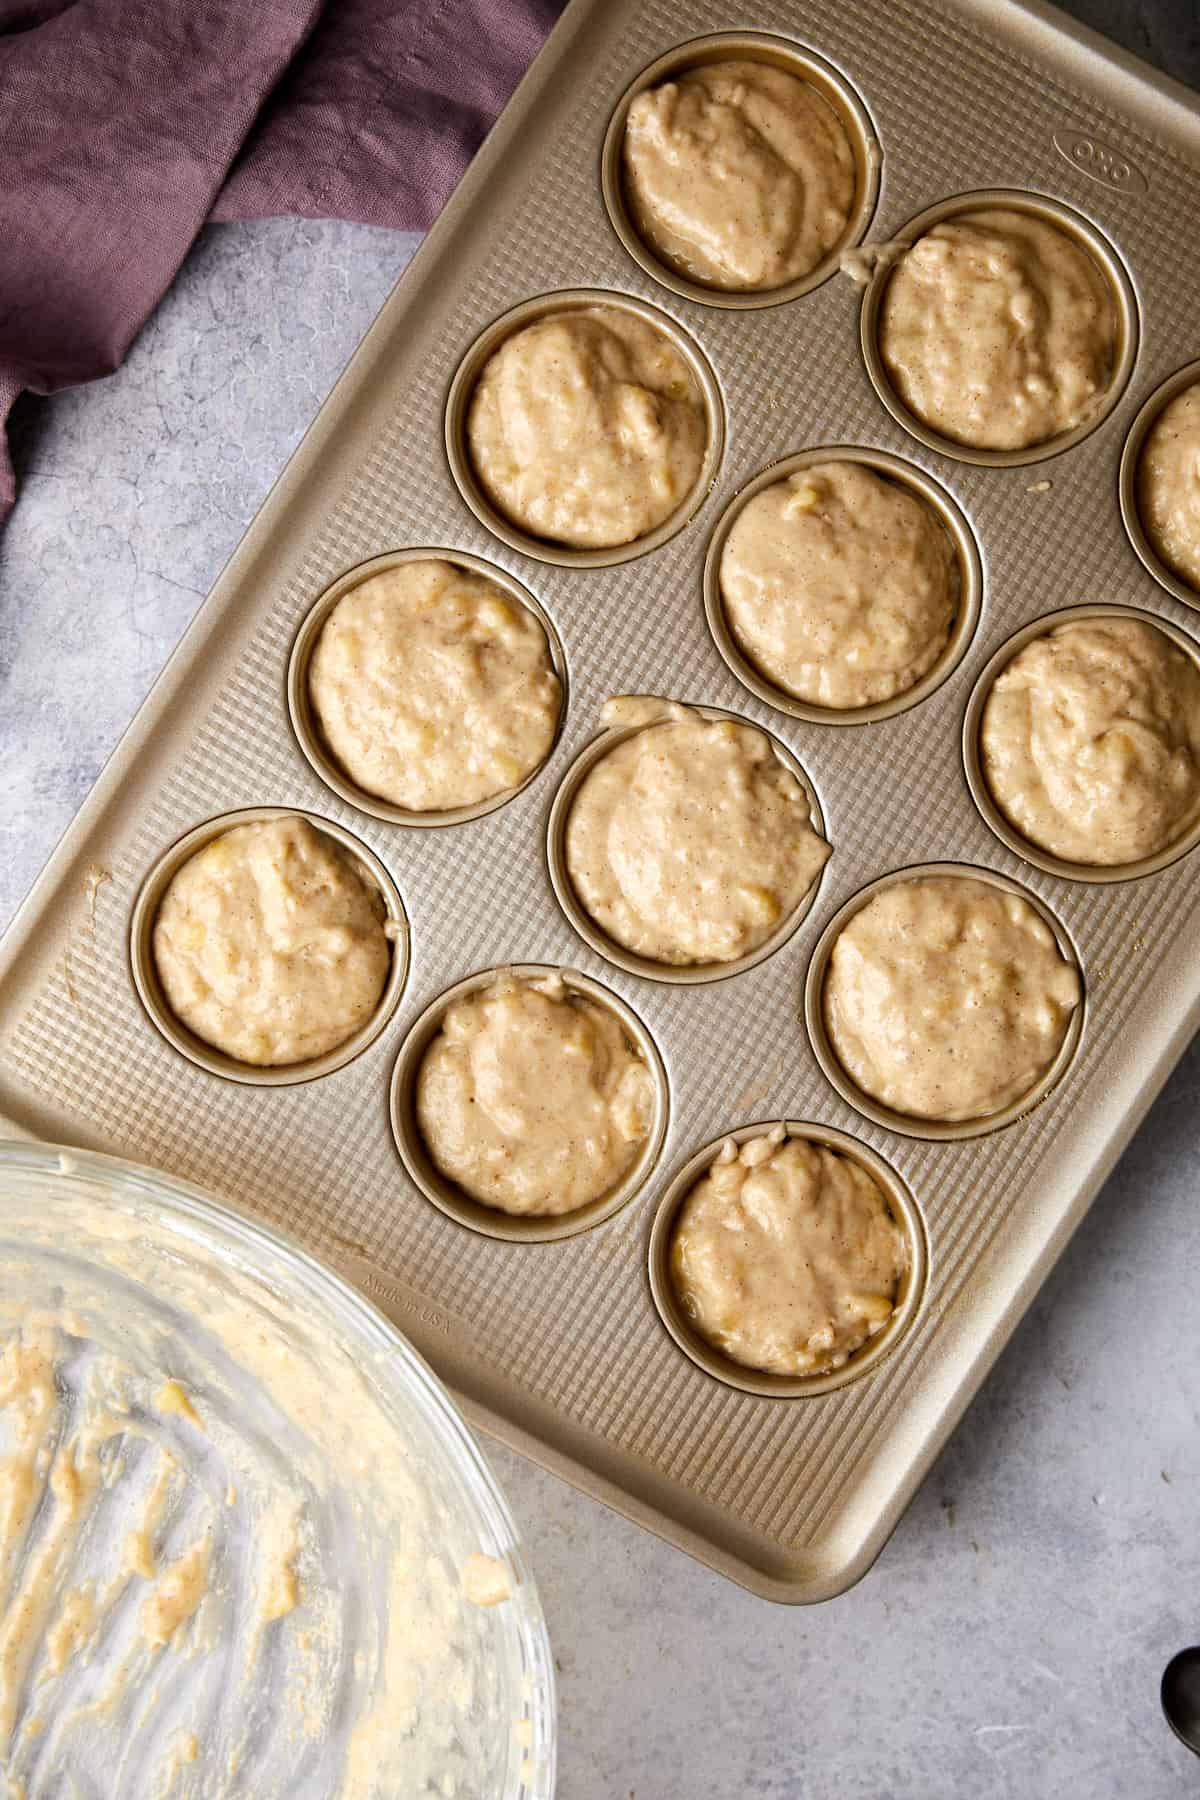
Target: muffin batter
[[531, 1098], [785, 1256], [433, 688], [1090, 741], [587, 428], [738, 175], [948, 998], [690, 841], [839, 585], [1169, 485], [271, 945], [998, 330]]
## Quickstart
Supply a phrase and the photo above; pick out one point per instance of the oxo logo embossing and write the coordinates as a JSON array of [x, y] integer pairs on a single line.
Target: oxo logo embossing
[[1104, 164]]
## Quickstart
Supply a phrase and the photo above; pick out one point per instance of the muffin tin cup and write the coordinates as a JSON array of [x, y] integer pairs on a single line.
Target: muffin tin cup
[[970, 596], [755, 1381], [1127, 484], [977, 781], [150, 990], [1089, 239], [678, 974], [793, 59], [909, 1124], [303, 714], [489, 1221], [458, 403]]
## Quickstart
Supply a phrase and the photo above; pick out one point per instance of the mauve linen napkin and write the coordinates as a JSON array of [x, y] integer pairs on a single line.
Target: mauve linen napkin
[[125, 124]]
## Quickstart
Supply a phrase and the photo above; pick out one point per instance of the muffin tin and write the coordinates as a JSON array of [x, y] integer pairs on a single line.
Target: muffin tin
[[554, 1341]]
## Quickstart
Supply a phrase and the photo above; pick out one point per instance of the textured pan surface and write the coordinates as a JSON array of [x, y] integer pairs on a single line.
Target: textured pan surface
[[557, 1346]]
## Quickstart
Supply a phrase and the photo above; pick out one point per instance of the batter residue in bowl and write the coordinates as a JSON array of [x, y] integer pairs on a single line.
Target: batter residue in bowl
[[224, 1571]]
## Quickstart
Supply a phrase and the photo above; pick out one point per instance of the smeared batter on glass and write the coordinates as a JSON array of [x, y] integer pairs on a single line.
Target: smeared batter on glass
[[223, 1571]]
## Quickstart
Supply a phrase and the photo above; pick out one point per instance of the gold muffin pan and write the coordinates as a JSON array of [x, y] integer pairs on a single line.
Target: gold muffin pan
[[561, 1335]]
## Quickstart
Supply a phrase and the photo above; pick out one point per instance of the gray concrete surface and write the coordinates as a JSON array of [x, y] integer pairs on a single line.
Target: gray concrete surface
[[1010, 1639]]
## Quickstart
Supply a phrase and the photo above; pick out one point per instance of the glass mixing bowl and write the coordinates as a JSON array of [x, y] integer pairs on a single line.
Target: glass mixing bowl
[[246, 1531]]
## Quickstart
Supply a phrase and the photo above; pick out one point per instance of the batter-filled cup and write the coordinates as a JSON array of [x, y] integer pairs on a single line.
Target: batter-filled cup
[[999, 327], [584, 428], [736, 169], [427, 687], [269, 946], [944, 1001], [1082, 743], [842, 585], [684, 843], [787, 1259], [529, 1102], [1159, 484]]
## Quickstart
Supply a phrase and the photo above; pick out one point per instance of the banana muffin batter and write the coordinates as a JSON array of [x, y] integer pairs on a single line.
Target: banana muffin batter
[[948, 998], [738, 175], [531, 1098], [998, 330], [271, 945], [1090, 741], [690, 841], [1169, 485], [785, 1255], [839, 585], [434, 689], [587, 428]]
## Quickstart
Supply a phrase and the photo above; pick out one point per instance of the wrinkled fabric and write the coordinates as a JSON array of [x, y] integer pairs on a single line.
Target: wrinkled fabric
[[125, 124], [379, 117]]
